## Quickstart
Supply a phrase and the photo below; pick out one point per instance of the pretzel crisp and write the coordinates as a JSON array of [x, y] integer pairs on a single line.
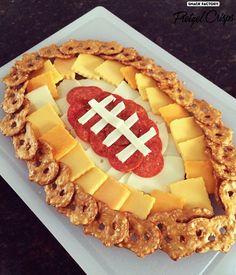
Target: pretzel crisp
[[13, 98], [25, 143], [13, 123], [43, 169], [110, 226], [53, 51], [175, 240], [143, 237], [82, 209], [73, 47], [60, 192], [224, 172], [30, 62], [227, 192], [15, 77]]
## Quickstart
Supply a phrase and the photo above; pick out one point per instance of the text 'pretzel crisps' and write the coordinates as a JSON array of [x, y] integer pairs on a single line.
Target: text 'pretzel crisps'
[[177, 232]]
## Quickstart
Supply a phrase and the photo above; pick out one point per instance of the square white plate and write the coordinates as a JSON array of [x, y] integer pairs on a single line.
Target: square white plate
[[88, 252]]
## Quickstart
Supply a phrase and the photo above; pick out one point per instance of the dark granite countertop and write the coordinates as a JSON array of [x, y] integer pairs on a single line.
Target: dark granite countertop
[[26, 246]]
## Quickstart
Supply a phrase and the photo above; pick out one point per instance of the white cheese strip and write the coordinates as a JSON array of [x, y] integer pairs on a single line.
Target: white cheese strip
[[66, 85], [97, 83], [96, 128], [120, 125], [87, 116], [130, 149], [126, 91], [115, 135], [173, 171], [99, 161]]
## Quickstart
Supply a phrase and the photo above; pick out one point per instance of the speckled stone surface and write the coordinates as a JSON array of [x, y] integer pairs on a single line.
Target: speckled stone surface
[[26, 246]]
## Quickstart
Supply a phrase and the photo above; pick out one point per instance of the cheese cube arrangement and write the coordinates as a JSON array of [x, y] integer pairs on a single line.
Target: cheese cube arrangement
[[193, 192], [77, 161], [166, 201], [112, 193], [41, 96], [42, 125], [86, 64], [184, 129], [64, 67], [193, 149], [60, 140], [91, 180], [110, 71], [157, 99], [201, 168], [41, 80], [138, 203], [129, 73], [172, 111], [144, 82]]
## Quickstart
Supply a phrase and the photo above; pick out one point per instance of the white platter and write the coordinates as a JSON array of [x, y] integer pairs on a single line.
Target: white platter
[[88, 252]]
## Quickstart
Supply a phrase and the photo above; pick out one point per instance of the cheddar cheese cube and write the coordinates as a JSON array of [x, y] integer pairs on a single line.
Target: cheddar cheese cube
[[92, 180], [44, 119], [184, 129], [85, 65], [143, 82], [172, 111], [78, 162], [40, 97], [110, 71], [138, 203], [193, 192], [165, 201], [193, 149], [157, 99], [60, 140], [112, 193], [41, 80], [201, 168], [129, 73], [64, 67], [48, 67]]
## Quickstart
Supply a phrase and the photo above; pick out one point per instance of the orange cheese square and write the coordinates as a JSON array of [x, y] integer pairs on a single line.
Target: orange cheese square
[[172, 111], [112, 193], [41, 80], [201, 168], [60, 140], [63, 66], [44, 119], [166, 201], [138, 203], [129, 73]]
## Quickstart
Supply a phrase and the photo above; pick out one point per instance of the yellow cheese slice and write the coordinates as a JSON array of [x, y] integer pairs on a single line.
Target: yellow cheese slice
[[86, 64], [110, 72], [48, 67], [201, 168], [165, 201], [193, 149], [172, 111], [193, 192], [78, 162], [112, 193], [64, 67], [138, 203], [92, 180], [44, 119], [60, 140], [41, 80], [157, 99], [184, 129], [144, 82], [129, 73]]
